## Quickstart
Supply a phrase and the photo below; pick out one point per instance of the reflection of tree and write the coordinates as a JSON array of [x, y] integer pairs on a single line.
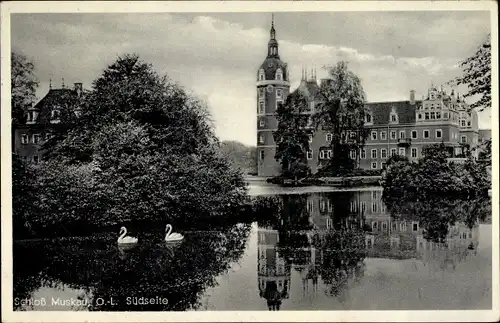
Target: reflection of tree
[[179, 273], [436, 216], [343, 250]]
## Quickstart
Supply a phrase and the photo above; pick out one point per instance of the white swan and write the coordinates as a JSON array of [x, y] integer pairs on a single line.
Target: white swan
[[169, 236], [126, 240]]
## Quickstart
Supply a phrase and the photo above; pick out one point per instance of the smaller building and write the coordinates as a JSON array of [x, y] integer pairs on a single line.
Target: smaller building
[[57, 109]]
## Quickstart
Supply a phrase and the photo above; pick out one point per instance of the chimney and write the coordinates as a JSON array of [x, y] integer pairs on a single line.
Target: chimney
[[412, 97], [78, 88]]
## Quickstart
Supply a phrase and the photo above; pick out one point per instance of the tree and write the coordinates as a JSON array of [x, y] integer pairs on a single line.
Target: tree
[[477, 75], [24, 197], [23, 86], [292, 135], [340, 111], [152, 150]]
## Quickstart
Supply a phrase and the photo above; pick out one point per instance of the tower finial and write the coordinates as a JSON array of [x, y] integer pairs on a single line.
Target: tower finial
[[50, 84], [272, 20], [63, 82]]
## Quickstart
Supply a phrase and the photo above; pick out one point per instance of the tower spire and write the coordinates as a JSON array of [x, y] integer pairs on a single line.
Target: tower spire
[[50, 84], [272, 47]]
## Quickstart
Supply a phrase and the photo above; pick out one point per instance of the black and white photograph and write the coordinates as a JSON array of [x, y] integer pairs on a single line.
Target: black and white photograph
[[235, 159]]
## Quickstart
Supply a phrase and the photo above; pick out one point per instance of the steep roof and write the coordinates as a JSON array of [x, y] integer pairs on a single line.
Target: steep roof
[[308, 88], [60, 98], [381, 111], [270, 66]]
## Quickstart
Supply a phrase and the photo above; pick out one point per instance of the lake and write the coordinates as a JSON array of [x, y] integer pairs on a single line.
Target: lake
[[307, 249]]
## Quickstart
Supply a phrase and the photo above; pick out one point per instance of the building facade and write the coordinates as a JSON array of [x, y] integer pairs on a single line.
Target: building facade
[[55, 110], [397, 127]]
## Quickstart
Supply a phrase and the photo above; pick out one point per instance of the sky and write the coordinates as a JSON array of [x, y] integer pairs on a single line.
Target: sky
[[217, 55]]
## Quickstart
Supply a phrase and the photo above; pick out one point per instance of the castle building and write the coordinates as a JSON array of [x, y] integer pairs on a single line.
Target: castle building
[[53, 111], [394, 127]]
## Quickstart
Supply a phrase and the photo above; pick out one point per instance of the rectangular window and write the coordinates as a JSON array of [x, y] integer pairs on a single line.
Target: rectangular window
[[433, 116], [363, 153], [438, 115], [462, 122], [402, 226], [393, 134], [310, 205], [310, 154], [420, 116], [353, 154], [394, 226], [402, 152], [374, 153], [261, 92], [374, 207], [426, 134], [382, 165], [463, 139], [368, 118], [394, 118], [402, 134], [384, 226], [321, 154], [262, 123], [329, 154], [310, 138], [24, 139], [374, 165], [261, 107], [414, 152], [383, 153], [445, 115], [415, 226], [374, 135], [261, 139], [36, 138], [439, 133], [414, 134], [261, 154], [329, 137], [427, 116], [279, 94], [393, 152], [363, 207], [374, 225], [374, 195], [383, 135]]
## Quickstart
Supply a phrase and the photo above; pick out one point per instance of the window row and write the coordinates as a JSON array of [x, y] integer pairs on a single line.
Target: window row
[[35, 159], [279, 72], [426, 134], [383, 226], [35, 138]]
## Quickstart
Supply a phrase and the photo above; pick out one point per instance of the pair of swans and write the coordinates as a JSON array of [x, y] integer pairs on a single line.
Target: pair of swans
[[123, 239]]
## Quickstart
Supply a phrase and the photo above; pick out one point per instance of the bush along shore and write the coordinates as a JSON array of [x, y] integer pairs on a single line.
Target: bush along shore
[[143, 150], [435, 176], [354, 178]]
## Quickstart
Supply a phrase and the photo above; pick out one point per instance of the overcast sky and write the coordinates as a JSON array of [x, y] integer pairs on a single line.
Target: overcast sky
[[217, 55]]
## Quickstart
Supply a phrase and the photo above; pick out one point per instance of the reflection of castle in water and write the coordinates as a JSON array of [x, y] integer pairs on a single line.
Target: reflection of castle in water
[[363, 212], [273, 272]]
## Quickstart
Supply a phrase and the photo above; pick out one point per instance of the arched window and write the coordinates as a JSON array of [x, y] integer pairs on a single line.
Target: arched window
[[261, 75], [279, 74]]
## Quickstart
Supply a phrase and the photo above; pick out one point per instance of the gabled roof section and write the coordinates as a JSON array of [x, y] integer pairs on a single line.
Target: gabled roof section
[[61, 99], [308, 88], [381, 111]]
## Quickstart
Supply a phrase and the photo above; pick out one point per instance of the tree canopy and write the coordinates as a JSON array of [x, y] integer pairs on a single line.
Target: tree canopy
[[144, 149], [23, 86], [477, 75], [340, 111], [292, 135]]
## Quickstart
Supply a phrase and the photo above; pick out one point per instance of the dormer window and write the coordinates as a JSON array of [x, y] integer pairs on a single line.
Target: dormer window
[[24, 139], [32, 117], [55, 115], [261, 75], [279, 74], [393, 117], [368, 118]]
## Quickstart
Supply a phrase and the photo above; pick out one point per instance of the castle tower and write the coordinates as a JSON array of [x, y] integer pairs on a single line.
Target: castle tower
[[273, 86]]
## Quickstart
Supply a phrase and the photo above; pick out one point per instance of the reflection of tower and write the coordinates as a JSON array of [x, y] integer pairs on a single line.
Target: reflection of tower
[[273, 271]]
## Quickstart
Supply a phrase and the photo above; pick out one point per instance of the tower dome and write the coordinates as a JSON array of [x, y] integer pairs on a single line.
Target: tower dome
[[272, 66]]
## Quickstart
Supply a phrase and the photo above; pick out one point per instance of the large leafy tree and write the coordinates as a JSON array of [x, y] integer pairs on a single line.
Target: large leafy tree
[[292, 135], [340, 111], [23, 86], [150, 148], [477, 75]]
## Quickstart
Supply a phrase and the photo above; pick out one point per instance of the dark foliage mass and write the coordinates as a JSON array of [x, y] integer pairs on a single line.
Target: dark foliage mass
[[477, 75], [143, 149], [433, 175], [242, 156], [23, 86]]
